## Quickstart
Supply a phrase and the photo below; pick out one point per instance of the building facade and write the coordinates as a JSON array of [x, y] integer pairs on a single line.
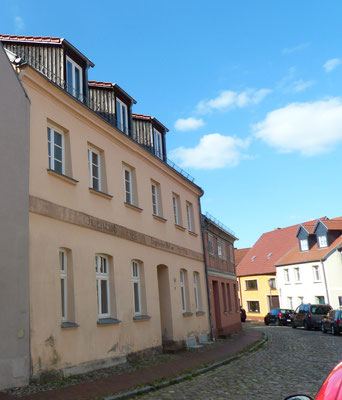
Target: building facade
[[219, 255], [115, 261]]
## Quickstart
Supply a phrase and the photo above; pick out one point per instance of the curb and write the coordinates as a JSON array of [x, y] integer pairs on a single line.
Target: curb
[[184, 377]]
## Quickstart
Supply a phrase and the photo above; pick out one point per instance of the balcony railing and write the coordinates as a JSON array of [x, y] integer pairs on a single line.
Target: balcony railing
[[94, 106], [218, 223]]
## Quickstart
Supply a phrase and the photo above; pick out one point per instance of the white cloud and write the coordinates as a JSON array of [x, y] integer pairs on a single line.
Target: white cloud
[[299, 47], [188, 124], [309, 128], [300, 86], [19, 23], [212, 152], [289, 85], [229, 99], [330, 65]]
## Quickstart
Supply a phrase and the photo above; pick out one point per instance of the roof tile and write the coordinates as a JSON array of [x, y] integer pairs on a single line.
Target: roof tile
[[31, 39]]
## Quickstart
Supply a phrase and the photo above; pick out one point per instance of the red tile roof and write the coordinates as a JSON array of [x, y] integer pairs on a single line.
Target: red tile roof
[[268, 249], [239, 254], [31, 39], [333, 224], [101, 84], [141, 116]]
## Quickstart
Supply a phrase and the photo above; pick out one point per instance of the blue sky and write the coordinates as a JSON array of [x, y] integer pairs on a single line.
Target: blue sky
[[250, 90]]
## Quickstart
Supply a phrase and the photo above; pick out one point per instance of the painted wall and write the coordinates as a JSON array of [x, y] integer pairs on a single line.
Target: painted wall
[[333, 273], [261, 294], [14, 233]]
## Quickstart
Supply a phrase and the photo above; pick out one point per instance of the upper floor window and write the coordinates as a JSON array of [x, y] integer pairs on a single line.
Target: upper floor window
[[128, 186], [219, 249], [322, 241], [189, 216], [297, 274], [64, 286], [136, 287], [286, 276], [74, 78], [94, 169], [252, 284], [272, 283], [304, 245], [155, 202], [56, 150], [210, 244], [176, 209], [316, 273], [102, 281], [158, 143], [121, 116]]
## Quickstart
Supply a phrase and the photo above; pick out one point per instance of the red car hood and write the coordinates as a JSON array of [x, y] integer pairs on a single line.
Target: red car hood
[[332, 387]]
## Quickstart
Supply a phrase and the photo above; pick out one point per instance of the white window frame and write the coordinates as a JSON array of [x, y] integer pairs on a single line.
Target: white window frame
[[189, 216], [136, 283], [273, 285], [51, 148], [316, 273], [290, 302], [155, 201], [183, 289], [297, 274], [119, 117], [102, 274], [128, 191], [300, 300], [196, 291], [286, 275], [72, 89], [91, 152], [304, 244], [175, 209], [158, 143], [322, 241], [63, 267]]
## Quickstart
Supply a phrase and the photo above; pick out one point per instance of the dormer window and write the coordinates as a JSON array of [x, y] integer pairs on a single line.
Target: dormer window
[[121, 116], [74, 78], [322, 241], [158, 143], [253, 258], [304, 246]]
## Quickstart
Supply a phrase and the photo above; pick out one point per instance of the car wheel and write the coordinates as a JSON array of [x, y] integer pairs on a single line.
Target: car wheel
[[293, 325], [306, 326], [323, 328], [333, 330]]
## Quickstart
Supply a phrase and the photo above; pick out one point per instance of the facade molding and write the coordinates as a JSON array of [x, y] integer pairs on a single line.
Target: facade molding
[[221, 274]]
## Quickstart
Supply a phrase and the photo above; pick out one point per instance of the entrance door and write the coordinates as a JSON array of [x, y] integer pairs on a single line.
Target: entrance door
[[273, 302], [165, 302], [218, 322]]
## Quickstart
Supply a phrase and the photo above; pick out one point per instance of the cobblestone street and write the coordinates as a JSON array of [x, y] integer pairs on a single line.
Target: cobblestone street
[[293, 361]]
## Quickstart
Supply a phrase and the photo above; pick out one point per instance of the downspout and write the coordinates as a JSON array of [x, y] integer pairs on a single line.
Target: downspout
[[212, 334], [325, 281]]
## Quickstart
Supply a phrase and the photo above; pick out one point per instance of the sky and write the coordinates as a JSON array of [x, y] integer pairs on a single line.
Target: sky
[[251, 92]]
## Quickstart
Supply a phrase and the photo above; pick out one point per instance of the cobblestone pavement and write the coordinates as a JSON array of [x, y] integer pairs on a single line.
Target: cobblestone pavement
[[293, 361]]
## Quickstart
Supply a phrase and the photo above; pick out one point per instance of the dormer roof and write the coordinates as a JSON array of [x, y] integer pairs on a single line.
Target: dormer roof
[[150, 118], [110, 85], [330, 224]]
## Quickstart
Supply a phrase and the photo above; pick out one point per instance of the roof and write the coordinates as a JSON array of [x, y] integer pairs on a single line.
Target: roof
[[332, 224], [110, 85], [149, 118], [239, 254], [295, 256], [268, 249]]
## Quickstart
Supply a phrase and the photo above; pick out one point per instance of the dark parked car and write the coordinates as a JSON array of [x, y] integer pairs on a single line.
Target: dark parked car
[[332, 322], [279, 316], [243, 315], [310, 315]]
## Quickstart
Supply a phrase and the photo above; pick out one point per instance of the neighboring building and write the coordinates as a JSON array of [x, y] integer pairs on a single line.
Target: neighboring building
[[312, 271], [256, 271], [219, 253], [239, 254], [115, 259]]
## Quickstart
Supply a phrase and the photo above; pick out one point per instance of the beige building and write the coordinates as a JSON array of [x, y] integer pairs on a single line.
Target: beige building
[[115, 252]]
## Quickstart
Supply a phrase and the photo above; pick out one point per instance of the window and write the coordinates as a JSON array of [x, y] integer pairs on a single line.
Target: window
[[158, 143], [231, 253], [237, 305], [253, 258], [136, 287], [183, 289], [300, 300], [155, 200], [56, 150], [64, 283], [223, 286], [253, 306], [94, 169], [196, 290], [252, 284], [320, 300], [272, 283], [128, 186], [229, 299], [102, 281], [304, 244], [74, 79], [286, 276], [322, 241], [316, 273], [189, 215], [289, 302], [219, 248], [297, 274], [176, 209], [121, 116], [269, 255], [210, 244]]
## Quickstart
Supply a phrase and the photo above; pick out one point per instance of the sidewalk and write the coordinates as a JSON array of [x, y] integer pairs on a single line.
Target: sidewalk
[[185, 361]]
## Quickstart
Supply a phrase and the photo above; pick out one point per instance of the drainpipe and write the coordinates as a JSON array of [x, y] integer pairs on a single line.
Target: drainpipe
[[325, 281], [212, 335]]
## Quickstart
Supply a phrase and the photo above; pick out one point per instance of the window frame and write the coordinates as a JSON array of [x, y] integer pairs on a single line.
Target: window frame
[[183, 289], [158, 144], [251, 280], [196, 291], [297, 275], [119, 105], [290, 302], [130, 192], [286, 275], [155, 200], [189, 213], [136, 282], [91, 152], [322, 241], [102, 276], [302, 247], [63, 269], [175, 209], [249, 308], [72, 90], [316, 272], [51, 130]]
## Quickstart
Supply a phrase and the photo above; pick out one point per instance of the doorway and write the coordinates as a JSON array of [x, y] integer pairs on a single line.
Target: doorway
[[218, 322], [165, 302]]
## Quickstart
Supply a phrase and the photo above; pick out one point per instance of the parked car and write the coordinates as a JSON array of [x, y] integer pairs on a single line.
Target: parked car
[[243, 314], [310, 315], [279, 316], [332, 322], [330, 390]]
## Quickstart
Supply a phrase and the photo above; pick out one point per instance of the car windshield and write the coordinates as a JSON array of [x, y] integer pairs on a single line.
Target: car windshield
[[320, 309]]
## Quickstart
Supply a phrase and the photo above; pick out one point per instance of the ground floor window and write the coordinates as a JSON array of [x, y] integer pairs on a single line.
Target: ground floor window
[[320, 300], [253, 306]]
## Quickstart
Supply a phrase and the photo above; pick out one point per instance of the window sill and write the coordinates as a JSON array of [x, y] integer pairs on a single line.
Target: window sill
[[141, 318], [193, 233], [66, 325], [62, 176], [317, 281], [298, 283], [187, 314], [102, 194], [133, 207], [159, 218], [180, 227], [251, 290], [200, 312], [108, 321]]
